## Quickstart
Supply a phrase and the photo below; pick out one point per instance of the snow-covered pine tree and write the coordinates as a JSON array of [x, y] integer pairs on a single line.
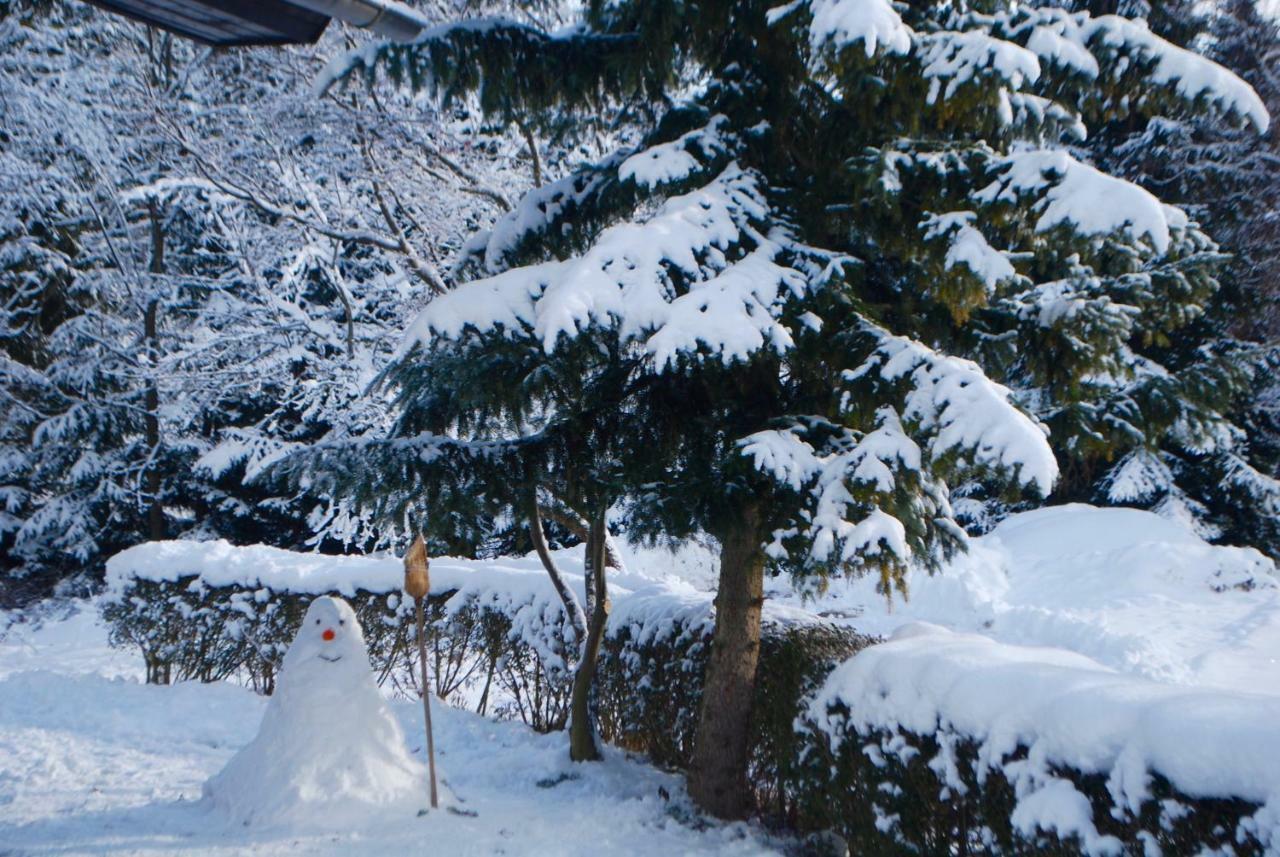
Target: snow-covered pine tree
[[793, 304], [290, 240], [48, 215], [1208, 473], [37, 249]]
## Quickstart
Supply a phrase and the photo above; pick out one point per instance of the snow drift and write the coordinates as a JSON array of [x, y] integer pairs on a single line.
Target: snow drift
[[1126, 588]]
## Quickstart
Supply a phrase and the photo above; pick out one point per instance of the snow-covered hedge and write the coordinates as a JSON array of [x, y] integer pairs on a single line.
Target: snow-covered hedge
[[652, 668], [211, 610], [938, 742], [499, 638]]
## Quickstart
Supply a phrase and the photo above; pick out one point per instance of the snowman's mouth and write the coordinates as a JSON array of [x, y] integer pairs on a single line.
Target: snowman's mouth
[[332, 660]]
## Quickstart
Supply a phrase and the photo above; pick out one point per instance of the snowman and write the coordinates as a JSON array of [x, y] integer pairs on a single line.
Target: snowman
[[329, 750]]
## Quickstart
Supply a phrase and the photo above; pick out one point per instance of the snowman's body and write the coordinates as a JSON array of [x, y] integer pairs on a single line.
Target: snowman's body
[[329, 749]]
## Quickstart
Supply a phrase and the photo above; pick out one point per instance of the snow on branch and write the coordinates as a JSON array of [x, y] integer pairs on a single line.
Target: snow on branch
[[1139, 477], [163, 189], [963, 410], [840, 527], [569, 200], [367, 56], [1256, 485], [512, 65], [696, 274], [953, 59], [853, 485], [671, 162], [1190, 74], [731, 314], [1044, 119], [537, 212], [968, 247], [1077, 42], [842, 23], [1088, 200], [388, 476]]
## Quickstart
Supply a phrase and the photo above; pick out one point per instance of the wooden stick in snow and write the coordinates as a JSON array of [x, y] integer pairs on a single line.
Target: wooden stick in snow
[[417, 583]]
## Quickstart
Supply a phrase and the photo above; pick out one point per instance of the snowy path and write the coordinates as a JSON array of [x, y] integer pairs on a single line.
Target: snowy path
[[93, 762]]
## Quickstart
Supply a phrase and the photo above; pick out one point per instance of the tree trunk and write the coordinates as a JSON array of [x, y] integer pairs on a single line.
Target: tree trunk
[[556, 510], [573, 610], [151, 332], [718, 775], [583, 745], [488, 682]]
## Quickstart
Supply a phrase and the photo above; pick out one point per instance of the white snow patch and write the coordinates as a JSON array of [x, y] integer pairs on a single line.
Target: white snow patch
[[875, 23], [1124, 587], [1091, 201]]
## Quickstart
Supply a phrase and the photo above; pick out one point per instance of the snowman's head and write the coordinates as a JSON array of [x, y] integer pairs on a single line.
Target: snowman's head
[[330, 634]]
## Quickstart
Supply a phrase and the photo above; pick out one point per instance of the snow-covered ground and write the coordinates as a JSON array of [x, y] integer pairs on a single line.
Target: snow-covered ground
[[93, 761], [1108, 641], [1125, 588]]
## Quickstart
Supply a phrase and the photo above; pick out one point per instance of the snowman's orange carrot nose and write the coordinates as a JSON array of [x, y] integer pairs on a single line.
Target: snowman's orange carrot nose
[[328, 634]]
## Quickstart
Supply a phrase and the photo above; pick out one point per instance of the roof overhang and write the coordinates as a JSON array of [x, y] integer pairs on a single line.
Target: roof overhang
[[228, 23], [225, 23]]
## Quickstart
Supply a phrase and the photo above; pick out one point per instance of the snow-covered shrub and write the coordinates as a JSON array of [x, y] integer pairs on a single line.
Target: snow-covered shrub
[[886, 794], [208, 611], [499, 641], [943, 743], [651, 678], [178, 636], [188, 630]]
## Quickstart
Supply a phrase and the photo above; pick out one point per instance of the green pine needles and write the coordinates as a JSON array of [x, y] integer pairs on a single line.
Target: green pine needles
[[855, 270], [854, 266]]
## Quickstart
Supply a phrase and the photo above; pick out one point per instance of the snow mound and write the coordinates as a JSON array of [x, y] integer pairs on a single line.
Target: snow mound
[[1066, 710], [1123, 587], [329, 750]]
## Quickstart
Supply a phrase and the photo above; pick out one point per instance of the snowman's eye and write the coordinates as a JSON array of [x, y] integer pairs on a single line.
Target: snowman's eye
[[342, 621], [317, 621]]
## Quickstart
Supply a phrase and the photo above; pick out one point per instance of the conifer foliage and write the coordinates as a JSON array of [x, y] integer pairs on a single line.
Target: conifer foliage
[[199, 261], [852, 266], [1227, 177]]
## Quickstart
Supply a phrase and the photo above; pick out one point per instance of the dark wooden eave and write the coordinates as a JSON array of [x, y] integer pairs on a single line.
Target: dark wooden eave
[[225, 23]]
